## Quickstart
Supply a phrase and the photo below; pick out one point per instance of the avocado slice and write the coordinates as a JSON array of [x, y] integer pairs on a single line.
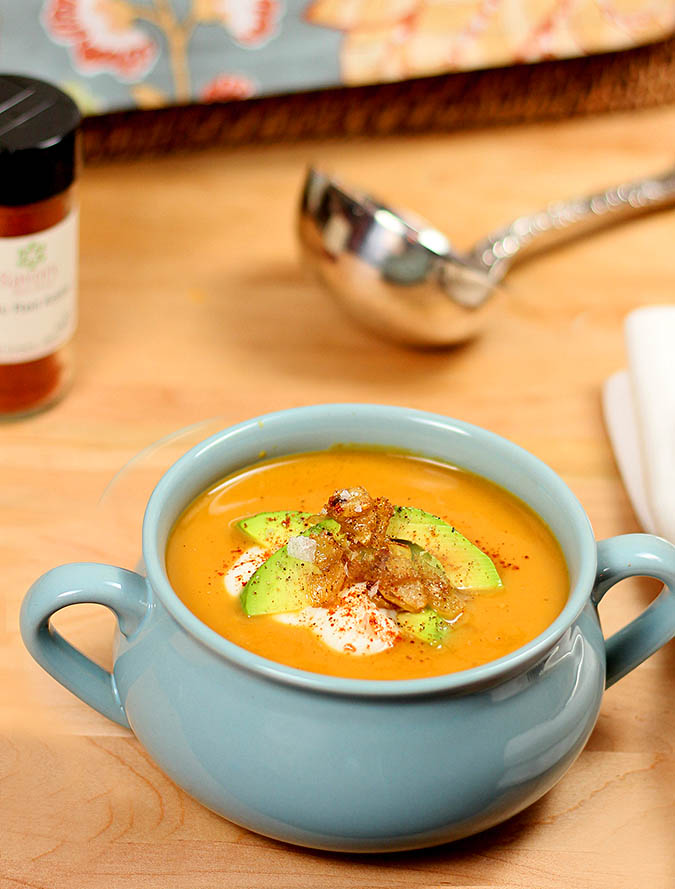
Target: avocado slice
[[466, 566], [416, 552], [282, 582], [427, 626], [272, 530]]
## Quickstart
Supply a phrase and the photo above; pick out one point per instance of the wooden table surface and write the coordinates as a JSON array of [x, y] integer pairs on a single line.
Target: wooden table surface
[[193, 306]]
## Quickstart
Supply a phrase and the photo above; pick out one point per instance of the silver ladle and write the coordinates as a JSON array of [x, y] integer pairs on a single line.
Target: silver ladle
[[399, 276]]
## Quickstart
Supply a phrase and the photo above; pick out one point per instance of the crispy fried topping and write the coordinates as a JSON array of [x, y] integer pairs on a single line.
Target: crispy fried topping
[[362, 519], [330, 559], [396, 574]]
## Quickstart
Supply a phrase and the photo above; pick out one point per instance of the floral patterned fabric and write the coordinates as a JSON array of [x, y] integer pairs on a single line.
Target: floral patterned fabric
[[120, 54]]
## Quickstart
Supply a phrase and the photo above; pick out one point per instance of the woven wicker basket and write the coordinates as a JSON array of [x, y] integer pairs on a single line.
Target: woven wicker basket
[[643, 77]]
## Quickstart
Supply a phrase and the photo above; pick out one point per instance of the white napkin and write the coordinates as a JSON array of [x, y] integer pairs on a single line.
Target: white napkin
[[639, 408]]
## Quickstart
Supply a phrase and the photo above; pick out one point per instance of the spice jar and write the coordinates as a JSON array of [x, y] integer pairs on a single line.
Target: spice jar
[[38, 242]]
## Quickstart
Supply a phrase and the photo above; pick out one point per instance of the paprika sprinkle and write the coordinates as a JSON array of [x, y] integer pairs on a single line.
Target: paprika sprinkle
[[38, 242]]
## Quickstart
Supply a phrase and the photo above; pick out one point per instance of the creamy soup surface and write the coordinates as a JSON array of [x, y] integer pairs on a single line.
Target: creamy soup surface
[[205, 543]]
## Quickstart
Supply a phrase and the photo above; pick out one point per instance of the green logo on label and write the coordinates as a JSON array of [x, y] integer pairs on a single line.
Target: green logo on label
[[31, 255]]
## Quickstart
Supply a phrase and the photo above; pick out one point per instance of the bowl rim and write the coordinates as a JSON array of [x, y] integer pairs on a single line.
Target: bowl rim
[[460, 682]]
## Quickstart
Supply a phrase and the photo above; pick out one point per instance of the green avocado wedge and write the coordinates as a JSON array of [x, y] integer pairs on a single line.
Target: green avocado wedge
[[272, 530], [466, 566], [281, 583], [416, 552], [427, 626]]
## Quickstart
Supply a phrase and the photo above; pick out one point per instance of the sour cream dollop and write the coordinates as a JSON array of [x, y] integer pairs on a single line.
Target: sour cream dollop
[[354, 626]]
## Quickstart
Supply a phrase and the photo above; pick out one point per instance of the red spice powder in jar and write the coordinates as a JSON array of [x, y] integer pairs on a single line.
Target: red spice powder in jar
[[38, 242]]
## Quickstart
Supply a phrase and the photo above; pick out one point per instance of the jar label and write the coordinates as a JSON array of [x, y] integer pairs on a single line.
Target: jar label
[[38, 291]]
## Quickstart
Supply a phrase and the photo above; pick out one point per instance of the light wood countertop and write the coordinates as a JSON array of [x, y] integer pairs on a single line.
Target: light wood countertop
[[193, 306]]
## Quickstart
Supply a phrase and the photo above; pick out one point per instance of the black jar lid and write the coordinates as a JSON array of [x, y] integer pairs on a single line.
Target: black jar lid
[[38, 140]]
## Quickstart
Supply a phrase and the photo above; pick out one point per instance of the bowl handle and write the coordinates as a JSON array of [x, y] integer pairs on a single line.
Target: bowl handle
[[124, 592], [637, 555]]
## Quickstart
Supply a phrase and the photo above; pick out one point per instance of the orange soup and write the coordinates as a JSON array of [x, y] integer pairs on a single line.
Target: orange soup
[[530, 589]]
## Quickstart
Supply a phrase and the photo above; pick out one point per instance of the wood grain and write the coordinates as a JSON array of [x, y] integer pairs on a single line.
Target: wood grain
[[193, 306]]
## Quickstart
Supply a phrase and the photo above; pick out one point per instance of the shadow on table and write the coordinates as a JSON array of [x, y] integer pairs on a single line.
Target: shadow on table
[[506, 835]]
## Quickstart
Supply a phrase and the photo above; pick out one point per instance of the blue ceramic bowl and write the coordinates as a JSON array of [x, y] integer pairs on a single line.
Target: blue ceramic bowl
[[350, 764]]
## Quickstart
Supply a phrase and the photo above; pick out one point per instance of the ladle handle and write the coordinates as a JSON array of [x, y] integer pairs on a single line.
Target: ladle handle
[[565, 220]]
